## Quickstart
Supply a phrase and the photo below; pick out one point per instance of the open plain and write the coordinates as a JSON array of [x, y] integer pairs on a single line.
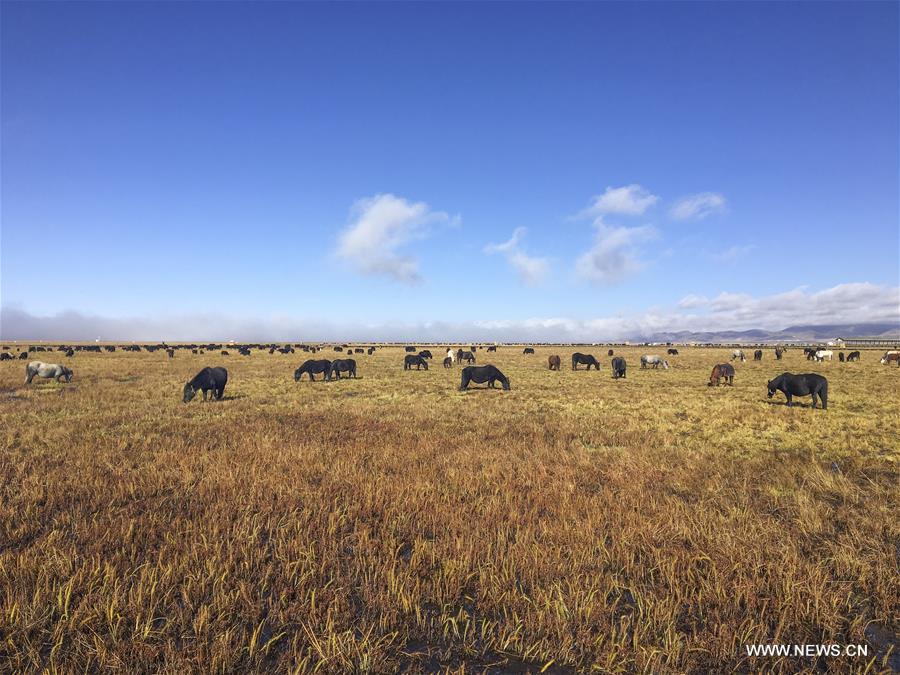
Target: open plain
[[392, 523]]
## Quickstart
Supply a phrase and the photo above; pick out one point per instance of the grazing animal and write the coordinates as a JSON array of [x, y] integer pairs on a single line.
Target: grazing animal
[[722, 371], [47, 371], [554, 362], [585, 359], [451, 355], [757, 355], [359, 351], [779, 352], [224, 352], [70, 352], [338, 349], [411, 360], [6, 356], [824, 354], [810, 353], [888, 357], [448, 362], [807, 384], [425, 354], [482, 374], [610, 352], [468, 357], [313, 367], [853, 356], [339, 366], [841, 357], [654, 360], [492, 349], [672, 352], [738, 354], [528, 350], [410, 349], [618, 367], [23, 356], [171, 353], [207, 380], [370, 351]]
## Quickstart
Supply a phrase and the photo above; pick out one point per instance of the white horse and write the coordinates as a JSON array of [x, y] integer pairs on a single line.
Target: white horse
[[823, 354], [738, 354], [47, 370], [654, 360], [891, 355], [451, 355]]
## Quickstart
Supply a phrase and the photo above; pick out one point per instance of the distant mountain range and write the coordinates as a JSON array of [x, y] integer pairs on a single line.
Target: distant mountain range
[[823, 332]]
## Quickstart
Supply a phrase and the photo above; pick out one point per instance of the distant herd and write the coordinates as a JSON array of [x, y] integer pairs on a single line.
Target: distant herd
[[211, 381]]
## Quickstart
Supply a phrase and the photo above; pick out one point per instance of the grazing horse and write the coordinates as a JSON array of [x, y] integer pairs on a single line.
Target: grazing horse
[[722, 371], [5, 356], [852, 356], [841, 357], [618, 367], [170, 353], [672, 352], [410, 349], [810, 353], [448, 362], [586, 359], [411, 360], [425, 354], [528, 350], [808, 384], [224, 352], [451, 355], [554, 362], [888, 357], [468, 357], [654, 360], [824, 354], [492, 348], [370, 351], [757, 355], [738, 354], [207, 380], [779, 352], [609, 353], [47, 370], [339, 366], [23, 356], [313, 367], [482, 374]]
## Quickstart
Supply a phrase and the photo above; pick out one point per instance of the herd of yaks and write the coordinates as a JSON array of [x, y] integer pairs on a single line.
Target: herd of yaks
[[213, 380]]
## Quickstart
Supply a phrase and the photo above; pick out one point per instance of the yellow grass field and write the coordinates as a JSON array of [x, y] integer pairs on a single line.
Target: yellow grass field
[[393, 524]]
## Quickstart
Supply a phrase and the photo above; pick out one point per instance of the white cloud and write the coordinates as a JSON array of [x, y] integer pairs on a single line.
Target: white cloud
[[383, 224], [614, 255], [629, 200], [841, 304], [733, 253], [531, 270], [698, 206]]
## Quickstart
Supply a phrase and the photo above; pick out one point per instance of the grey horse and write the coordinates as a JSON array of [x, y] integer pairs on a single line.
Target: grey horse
[[47, 370], [653, 360]]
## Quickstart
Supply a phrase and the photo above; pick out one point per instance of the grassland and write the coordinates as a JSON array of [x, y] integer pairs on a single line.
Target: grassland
[[394, 524]]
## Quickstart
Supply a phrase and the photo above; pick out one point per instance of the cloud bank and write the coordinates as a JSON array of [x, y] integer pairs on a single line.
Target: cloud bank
[[383, 224], [845, 303], [532, 270]]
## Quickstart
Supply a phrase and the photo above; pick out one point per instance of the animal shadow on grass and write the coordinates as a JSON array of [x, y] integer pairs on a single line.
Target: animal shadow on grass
[[795, 404]]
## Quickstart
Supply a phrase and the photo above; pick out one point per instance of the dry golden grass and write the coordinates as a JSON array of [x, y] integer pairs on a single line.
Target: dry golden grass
[[392, 523]]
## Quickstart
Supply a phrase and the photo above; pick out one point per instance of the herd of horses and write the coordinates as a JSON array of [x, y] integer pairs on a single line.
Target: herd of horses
[[213, 380]]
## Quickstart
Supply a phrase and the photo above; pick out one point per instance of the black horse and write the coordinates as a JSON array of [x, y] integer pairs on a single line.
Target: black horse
[[757, 355], [468, 357], [528, 350], [448, 362], [584, 359], [492, 349], [411, 360], [482, 374], [425, 354], [313, 367], [853, 356], [410, 349], [618, 367], [841, 357], [339, 366], [208, 379], [779, 352], [808, 384], [672, 352]]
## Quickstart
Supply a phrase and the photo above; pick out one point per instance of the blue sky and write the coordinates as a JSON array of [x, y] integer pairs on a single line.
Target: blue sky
[[367, 164]]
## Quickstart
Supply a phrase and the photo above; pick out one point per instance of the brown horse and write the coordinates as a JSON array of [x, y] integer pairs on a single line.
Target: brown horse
[[554, 362], [723, 371]]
